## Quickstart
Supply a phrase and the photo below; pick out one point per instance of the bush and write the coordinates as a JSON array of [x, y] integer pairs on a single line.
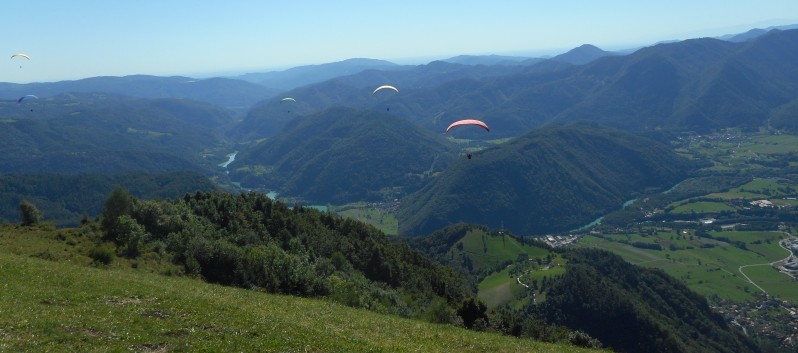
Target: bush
[[582, 339], [101, 256]]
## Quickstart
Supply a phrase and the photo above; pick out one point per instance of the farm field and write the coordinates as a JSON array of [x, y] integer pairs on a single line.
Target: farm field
[[709, 265]]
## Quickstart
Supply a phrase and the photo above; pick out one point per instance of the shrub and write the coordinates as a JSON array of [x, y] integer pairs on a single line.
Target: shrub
[[101, 256]]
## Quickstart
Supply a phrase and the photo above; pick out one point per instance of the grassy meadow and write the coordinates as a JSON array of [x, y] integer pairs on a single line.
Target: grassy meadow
[[60, 303], [487, 251]]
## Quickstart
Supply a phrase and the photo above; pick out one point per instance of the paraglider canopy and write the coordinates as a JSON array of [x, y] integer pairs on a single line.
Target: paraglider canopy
[[468, 122], [287, 99], [21, 56], [385, 87], [26, 97]]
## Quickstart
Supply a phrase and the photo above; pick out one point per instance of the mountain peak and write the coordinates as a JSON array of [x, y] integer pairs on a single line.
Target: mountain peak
[[582, 54]]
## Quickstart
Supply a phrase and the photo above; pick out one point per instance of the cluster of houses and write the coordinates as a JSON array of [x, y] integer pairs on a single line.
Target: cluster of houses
[[790, 265], [560, 240], [762, 203], [751, 317]]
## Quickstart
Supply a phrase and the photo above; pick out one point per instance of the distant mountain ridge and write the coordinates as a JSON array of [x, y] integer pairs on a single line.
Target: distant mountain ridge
[[697, 85], [304, 75], [103, 133], [490, 60], [232, 94]]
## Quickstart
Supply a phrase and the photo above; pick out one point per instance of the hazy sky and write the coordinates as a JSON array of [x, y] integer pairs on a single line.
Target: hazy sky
[[73, 39]]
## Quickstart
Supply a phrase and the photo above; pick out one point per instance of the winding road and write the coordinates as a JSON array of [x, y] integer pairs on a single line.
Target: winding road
[[740, 269]]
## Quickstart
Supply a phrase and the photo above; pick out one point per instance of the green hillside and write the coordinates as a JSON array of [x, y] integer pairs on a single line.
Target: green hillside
[[54, 306], [553, 179]]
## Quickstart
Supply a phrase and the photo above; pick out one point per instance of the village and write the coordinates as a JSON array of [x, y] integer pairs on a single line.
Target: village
[[789, 265]]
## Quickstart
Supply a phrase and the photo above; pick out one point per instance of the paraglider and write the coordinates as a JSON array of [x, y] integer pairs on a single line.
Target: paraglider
[[29, 96], [287, 99], [468, 122], [26, 97], [21, 55], [385, 87]]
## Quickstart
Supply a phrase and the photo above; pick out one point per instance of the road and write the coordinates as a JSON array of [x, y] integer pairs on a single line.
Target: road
[[740, 269]]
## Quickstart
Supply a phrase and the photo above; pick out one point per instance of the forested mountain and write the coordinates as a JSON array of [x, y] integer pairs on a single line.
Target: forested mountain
[[342, 155], [101, 133], [65, 199], [232, 94], [552, 179], [635, 309], [696, 84], [422, 89]]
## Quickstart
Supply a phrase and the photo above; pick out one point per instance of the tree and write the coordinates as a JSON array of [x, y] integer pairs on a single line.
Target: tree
[[471, 310], [119, 203], [29, 213], [130, 235]]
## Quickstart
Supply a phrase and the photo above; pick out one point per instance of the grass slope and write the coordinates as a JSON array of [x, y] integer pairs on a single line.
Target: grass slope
[[72, 308], [65, 306]]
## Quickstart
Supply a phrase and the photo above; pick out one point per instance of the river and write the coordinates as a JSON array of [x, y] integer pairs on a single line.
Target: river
[[230, 158]]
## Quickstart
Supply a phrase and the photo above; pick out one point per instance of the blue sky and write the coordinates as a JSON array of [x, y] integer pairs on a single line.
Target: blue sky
[[73, 39]]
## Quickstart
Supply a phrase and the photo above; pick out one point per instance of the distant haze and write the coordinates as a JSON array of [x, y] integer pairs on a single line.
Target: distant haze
[[79, 39]]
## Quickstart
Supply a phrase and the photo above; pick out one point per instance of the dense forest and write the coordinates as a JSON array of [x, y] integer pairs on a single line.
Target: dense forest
[[613, 300], [550, 180]]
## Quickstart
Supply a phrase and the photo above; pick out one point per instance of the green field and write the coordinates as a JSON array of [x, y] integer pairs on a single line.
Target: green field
[[702, 207], [500, 287], [759, 188], [741, 153], [370, 214], [60, 304], [710, 266], [489, 251]]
